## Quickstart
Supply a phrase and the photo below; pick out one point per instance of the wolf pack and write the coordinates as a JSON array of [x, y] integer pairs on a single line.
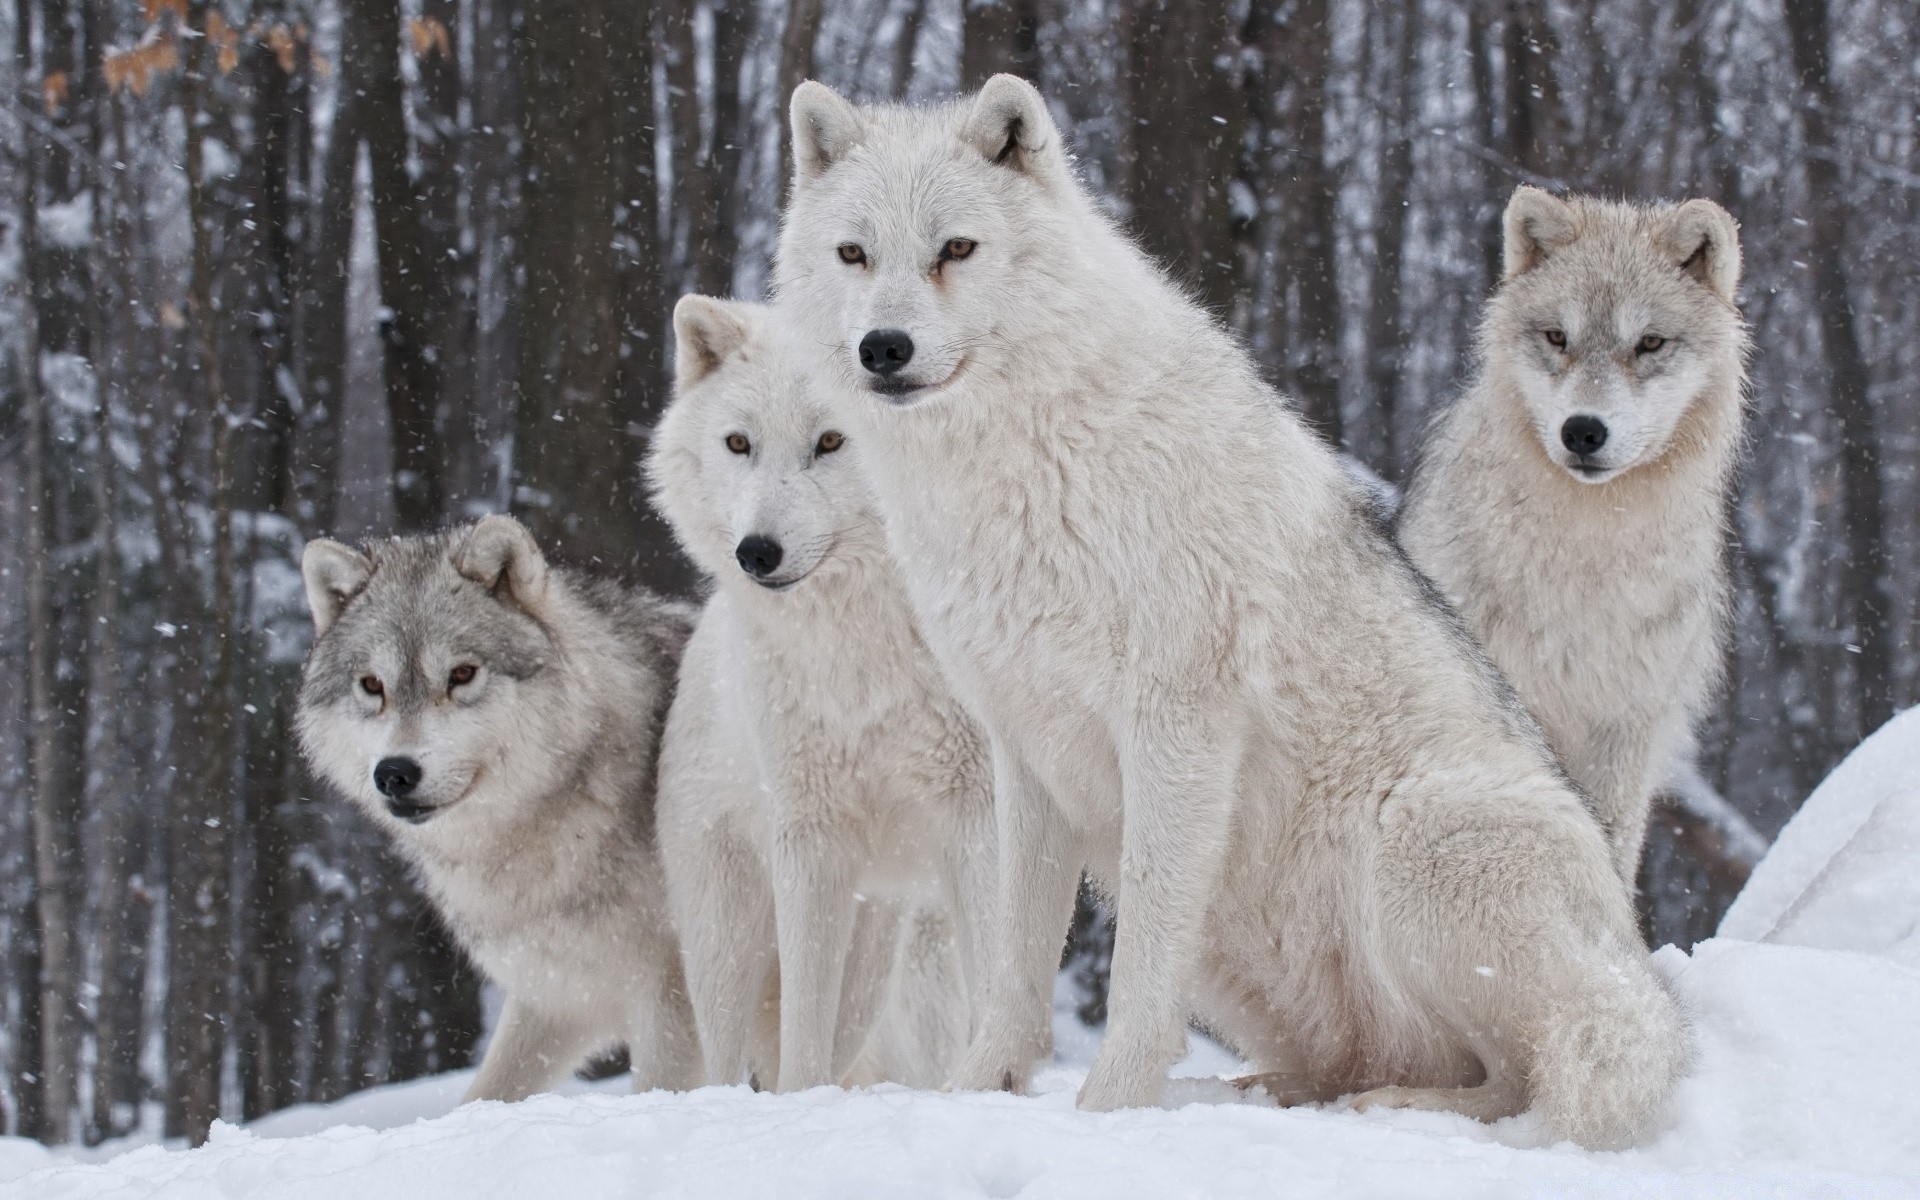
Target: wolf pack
[[1019, 574]]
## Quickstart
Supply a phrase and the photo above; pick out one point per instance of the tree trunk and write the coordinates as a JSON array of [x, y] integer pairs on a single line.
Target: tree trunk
[[52, 805], [413, 273], [1188, 115], [201, 919], [1398, 43], [1289, 103], [1537, 133], [719, 242], [1868, 591], [998, 37], [796, 67]]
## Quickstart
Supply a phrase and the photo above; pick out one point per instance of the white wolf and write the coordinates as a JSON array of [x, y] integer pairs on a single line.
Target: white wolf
[[817, 780], [1204, 668], [501, 720], [1573, 504]]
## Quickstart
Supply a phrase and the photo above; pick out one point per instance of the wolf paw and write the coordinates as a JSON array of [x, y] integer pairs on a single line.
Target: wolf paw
[[1487, 1102], [1109, 1088], [990, 1067]]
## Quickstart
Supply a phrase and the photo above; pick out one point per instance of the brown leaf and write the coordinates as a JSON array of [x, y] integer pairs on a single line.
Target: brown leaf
[[54, 89]]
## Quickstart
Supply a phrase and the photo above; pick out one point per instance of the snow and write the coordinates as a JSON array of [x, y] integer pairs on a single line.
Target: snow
[[1801, 1085], [1845, 872]]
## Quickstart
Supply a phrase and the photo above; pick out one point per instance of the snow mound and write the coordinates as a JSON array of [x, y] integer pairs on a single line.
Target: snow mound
[[1801, 1086], [1845, 872]]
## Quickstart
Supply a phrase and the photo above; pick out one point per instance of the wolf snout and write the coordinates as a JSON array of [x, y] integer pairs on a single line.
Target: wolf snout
[[1583, 435], [885, 351], [758, 555]]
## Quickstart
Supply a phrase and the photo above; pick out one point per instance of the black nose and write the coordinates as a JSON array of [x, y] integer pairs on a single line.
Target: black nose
[[757, 555], [1583, 435], [884, 351], [396, 777]]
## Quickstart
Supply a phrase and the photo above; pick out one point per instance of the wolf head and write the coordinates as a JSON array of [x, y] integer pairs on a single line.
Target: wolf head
[[431, 669], [747, 464], [1612, 321], [912, 235]]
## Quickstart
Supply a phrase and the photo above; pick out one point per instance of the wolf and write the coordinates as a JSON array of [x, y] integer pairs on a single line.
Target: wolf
[[818, 782], [500, 719], [1206, 672], [1573, 503]]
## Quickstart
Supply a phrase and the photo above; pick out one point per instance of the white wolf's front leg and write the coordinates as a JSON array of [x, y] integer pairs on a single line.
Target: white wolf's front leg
[[531, 1050], [1177, 780], [664, 1045], [1040, 863], [813, 914], [973, 891]]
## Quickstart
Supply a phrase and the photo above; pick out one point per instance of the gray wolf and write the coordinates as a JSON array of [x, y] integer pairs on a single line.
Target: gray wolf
[[823, 797], [500, 719], [1205, 670], [1573, 503]]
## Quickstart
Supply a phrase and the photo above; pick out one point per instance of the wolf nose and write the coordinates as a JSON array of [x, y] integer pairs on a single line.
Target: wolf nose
[[396, 777], [884, 351], [757, 555], [1583, 435]]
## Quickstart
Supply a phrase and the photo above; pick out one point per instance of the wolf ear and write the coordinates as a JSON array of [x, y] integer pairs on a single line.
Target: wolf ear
[[1705, 240], [334, 574], [502, 555], [825, 129], [705, 332], [1537, 223], [1010, 125]]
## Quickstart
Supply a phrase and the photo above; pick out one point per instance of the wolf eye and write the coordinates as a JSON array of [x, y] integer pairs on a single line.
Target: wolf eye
[[956, 248], [1556, 338], [371, 685], [852, 254], [463, 673], [738, 443], [1650, 343], [829, 441]]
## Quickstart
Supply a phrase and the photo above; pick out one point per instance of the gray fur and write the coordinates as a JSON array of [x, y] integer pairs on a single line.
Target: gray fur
[[1602, 596], [536, 842]]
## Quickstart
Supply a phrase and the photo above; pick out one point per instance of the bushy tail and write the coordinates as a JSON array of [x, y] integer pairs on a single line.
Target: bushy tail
[[1610, 1053]]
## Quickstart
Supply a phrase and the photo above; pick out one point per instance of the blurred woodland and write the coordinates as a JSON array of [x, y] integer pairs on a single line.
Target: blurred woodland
[[277, 268]]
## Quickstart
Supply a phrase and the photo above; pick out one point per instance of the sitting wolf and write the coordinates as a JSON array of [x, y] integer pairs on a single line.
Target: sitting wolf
[[1573, 503], [1205, 669], [501, 720], [817, 781]]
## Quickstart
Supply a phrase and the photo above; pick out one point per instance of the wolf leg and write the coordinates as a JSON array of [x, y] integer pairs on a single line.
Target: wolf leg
[[530, 1051], [972, 887], [1177, 776], [863, 988], [1040, 864], [724, 912], [814, 916], [664, 1046]]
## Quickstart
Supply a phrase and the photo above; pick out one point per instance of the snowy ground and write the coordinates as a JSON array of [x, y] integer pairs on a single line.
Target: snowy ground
[[1807, 1083]]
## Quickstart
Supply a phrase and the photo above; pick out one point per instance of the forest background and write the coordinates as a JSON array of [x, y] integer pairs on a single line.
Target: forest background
[[277, 268]]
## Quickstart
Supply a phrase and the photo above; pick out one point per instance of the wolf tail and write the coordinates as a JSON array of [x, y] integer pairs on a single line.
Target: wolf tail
[[1610, 1052]]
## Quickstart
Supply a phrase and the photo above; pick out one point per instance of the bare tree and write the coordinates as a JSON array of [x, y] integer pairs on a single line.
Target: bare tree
[[1188, 115], [1869, 602], [998, 37]]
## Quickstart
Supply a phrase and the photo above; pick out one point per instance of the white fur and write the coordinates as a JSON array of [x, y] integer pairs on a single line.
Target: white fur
[[818, 784], [537, 792], [1204, 669], [1601, 595]]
